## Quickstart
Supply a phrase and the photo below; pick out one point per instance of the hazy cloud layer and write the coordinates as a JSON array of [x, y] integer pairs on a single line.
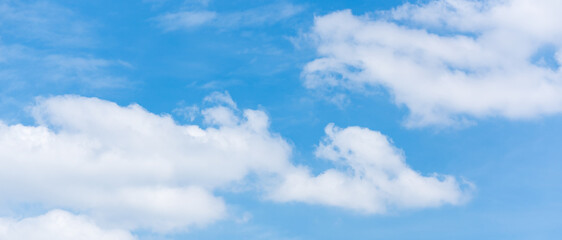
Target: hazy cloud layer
[[447, 61]]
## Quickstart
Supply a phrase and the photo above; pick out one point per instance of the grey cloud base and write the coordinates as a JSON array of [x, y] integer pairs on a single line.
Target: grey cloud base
[[130, 169]]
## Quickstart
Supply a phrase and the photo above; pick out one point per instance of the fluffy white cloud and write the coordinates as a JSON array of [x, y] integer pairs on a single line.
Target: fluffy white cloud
[[132, 168], [447, 60], [374, 178], [57, 224]]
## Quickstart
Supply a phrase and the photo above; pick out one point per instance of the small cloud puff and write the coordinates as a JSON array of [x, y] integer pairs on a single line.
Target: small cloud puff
[[375, 177]]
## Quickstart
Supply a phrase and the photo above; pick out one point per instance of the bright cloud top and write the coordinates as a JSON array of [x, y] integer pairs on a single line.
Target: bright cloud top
[[448, 60], [58, 225], [374, 179], [131, 169]]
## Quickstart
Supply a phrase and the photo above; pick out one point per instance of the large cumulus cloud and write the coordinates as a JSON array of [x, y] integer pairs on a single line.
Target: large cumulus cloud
[[130, 169], [447, 61]]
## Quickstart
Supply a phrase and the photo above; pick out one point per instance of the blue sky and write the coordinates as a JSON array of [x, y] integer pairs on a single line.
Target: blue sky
[[210, 119]]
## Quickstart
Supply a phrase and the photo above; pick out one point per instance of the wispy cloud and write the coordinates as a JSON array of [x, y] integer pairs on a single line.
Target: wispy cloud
[[40, 33], [25, 67], [88, 71], [185, 20], [265, 15], [44, 46], [45, 23]]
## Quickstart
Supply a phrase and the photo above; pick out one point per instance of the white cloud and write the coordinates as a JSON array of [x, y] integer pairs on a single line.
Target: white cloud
[[375, 177], [188, 113], [60, 225], [131, 169], [264, 15], [447, 60]]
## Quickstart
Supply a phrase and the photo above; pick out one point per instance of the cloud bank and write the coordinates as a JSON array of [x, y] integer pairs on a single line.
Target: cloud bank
[[447, 61], [130, 169]]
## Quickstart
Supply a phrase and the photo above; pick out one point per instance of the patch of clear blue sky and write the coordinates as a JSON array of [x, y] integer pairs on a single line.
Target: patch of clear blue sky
[[515, 165]]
